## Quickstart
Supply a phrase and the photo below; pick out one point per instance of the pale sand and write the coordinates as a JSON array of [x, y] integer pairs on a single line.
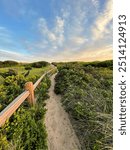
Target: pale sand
[[61, 135]]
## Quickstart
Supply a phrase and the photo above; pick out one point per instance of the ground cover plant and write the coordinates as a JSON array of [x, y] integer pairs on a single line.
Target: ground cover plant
[[25, 69], [86, 90], [25, 129]]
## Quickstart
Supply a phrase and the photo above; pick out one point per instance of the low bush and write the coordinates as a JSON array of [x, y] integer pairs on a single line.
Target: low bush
[[87, 96], [28, 68], [39, 64], [10, 72], [25, 129], [8, 63]]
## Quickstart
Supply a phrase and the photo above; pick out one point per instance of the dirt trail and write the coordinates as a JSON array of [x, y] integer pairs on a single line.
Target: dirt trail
[[61, 135]]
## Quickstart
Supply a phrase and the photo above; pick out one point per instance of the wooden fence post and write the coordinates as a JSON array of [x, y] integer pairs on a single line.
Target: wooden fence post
[[29, 86]]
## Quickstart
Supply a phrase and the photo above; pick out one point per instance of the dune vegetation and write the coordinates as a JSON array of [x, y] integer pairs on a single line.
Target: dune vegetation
[[86, 95], [86, 90], [25, 129]]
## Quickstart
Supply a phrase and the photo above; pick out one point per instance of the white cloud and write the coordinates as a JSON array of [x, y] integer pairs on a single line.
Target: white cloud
[[79, 40], [99, 53], [59, 23], [92, 54], [59, 30], [95, 3], [56, 34], [51, 36], [99, 29], [9, 55], [66, 35]]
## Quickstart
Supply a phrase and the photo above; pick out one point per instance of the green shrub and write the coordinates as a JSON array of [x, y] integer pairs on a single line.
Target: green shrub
[[8, 63], [87, 96], [25, 129], [39, 64], [28, 68], [10, 72]]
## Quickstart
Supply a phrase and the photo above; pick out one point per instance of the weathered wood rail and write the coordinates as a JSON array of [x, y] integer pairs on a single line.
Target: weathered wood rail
[[27, 94]]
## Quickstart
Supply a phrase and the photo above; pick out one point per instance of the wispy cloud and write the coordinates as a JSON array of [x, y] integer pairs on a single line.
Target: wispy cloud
[[100, 27], [79, 40], [95, 3], [70, 30], [5, 37], [54, 35], [4, 32], [9, 55], [67, 31], [99, 53]]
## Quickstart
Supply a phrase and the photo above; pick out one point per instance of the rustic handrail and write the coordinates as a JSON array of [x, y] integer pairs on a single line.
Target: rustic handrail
[[39, 80], [14, 105]]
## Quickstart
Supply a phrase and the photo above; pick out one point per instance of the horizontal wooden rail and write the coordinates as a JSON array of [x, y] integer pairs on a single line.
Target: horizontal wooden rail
[[12, 107], [27, 94], [39, 80]]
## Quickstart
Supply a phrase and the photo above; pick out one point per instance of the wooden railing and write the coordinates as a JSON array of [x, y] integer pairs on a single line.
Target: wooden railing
[[27, 94]]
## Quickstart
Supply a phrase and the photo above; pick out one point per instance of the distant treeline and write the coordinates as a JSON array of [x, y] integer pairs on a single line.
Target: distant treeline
[[104, 64], [39, 64], [107, 63], [10, 63]]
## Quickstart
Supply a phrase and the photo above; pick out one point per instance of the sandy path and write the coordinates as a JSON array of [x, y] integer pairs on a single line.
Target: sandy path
[[61, 135]]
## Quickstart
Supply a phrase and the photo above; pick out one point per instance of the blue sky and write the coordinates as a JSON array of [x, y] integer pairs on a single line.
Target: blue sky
[[55, 30]]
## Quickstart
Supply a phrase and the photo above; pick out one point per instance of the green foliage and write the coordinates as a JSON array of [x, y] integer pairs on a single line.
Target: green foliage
[[105, 64], [8, 63], [25, 129], [87, 96], [39, 64], [28, 68], [97, 64], [10, 72]]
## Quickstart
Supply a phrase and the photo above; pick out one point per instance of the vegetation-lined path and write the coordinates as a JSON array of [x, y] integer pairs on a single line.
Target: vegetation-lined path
[[61, 135]]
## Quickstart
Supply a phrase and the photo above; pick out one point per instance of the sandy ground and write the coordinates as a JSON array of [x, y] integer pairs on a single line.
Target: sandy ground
[[61, 135]]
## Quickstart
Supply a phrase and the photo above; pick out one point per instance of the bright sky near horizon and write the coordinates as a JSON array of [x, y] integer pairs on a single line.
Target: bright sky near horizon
[[55, 30]]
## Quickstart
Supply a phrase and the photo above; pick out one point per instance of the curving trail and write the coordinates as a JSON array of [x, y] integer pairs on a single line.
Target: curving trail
[[61, 135]]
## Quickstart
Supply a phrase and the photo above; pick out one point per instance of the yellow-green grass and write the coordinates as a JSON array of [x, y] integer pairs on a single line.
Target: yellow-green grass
[[21, 70], [39, 71]]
